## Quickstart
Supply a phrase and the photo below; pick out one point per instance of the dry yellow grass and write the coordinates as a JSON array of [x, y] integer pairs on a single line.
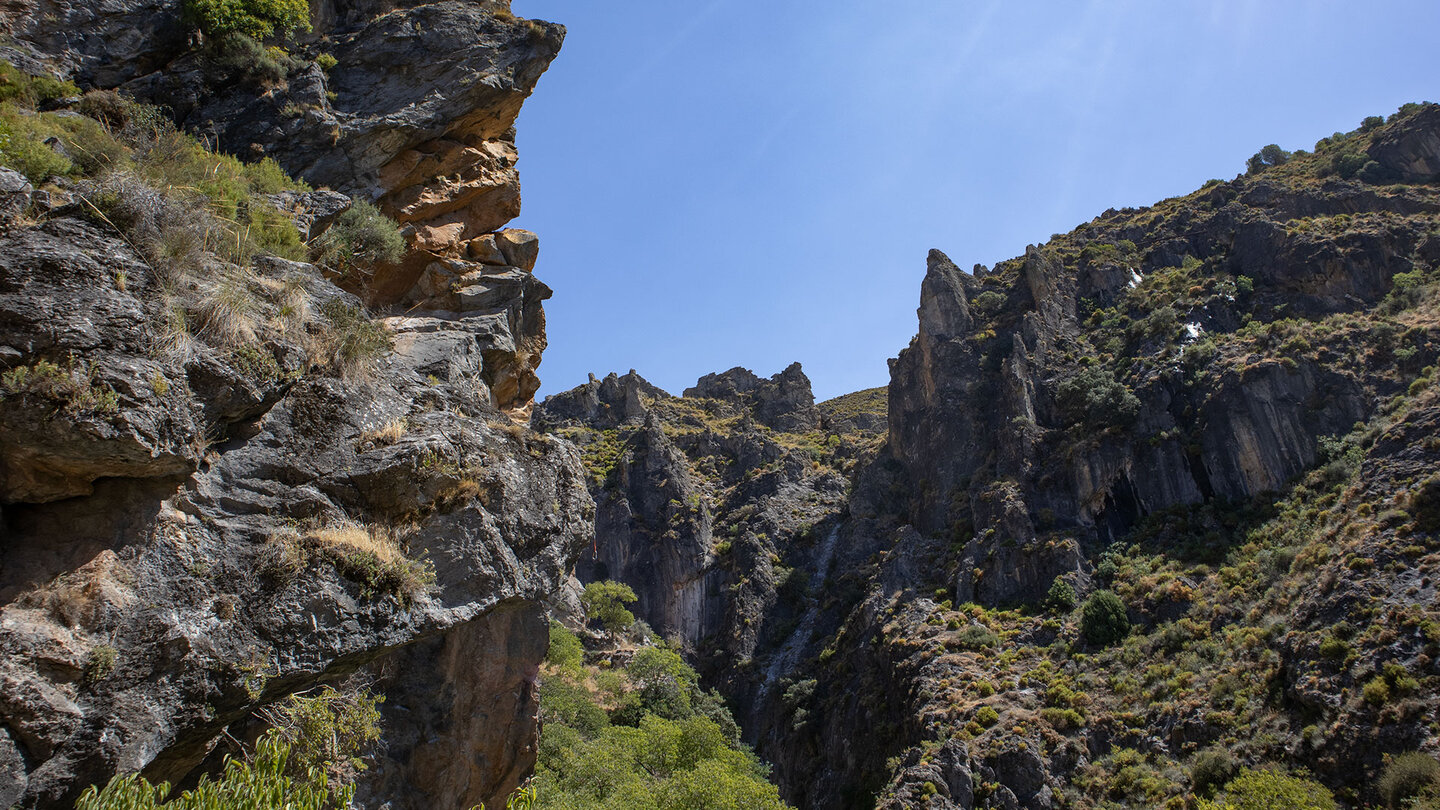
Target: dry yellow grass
[[376, 540], [387, 435]]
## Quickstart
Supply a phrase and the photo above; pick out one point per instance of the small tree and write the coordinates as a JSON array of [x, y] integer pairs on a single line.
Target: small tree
[[1270, 155], [1103, 619], [1407, 776], [1061, 598], [605, 602]]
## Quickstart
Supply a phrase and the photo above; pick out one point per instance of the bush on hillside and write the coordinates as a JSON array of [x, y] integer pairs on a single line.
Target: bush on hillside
[[259, 19], [1268, 156], [361, 238], [1212, 768], [1062, 597], [1103, 619], [1096, 398], [1407, 776]]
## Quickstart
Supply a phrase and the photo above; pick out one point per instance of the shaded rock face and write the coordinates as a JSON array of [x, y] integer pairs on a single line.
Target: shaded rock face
[[977, 418], [1040, 416], [104, 43], [158, 534], [731, 589]]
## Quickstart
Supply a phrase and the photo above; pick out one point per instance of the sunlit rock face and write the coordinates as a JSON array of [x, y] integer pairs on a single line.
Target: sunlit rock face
[[157, 586]]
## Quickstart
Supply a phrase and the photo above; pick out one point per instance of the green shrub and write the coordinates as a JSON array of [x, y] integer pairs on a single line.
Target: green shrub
[[240, 57], [1103, 618], [1425, 504], [253, 18], [1212, 768], [1376, 691], [1407, 776], [1096, 398], [1348, 164], [1062, 597], [22, 149], [28, 90], [605, 602], [1271, 790], [565, 651], [361, 238], [986, 716], [976, 637], [327, 732], [657, 764], [562, 701], [989, 303], [327, 62]]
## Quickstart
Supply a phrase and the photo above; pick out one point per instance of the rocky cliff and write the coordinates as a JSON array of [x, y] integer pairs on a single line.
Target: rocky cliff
[[757, 453], [1187, 405], [222, 483], [1214, 408]]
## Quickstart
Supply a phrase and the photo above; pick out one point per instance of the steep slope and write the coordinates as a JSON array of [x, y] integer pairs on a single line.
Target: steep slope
[[1133, 407], [1218, 408], [715, 505], [222, 483]]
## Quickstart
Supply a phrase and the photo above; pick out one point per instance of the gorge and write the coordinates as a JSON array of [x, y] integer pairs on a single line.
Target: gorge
[[249, 449]]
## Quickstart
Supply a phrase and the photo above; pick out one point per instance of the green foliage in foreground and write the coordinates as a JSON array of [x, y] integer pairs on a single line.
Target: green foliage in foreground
[[307, 761], [1270, 790], [666, 745], [258, 784], [661, 765]]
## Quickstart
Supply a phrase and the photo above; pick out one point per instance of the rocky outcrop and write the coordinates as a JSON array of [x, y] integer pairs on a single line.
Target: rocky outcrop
[[187, 589], [784, 402], [431, 141], [205, 512], [730, 590]]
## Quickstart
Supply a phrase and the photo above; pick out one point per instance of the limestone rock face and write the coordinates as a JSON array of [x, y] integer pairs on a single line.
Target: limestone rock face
[[430, 140], [162, 575], [155, 516], [1412, 150], [104, 43]]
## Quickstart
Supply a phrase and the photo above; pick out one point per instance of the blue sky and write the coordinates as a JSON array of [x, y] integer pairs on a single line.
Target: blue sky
[[729, 182]]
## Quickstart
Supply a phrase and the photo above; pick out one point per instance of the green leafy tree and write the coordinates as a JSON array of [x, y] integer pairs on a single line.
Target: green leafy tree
[[605, 602], [1103, 619], [1270, 155], [259, 19]]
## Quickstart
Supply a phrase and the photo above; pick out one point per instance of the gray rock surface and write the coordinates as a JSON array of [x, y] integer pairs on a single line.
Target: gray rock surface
[[189, 564]]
